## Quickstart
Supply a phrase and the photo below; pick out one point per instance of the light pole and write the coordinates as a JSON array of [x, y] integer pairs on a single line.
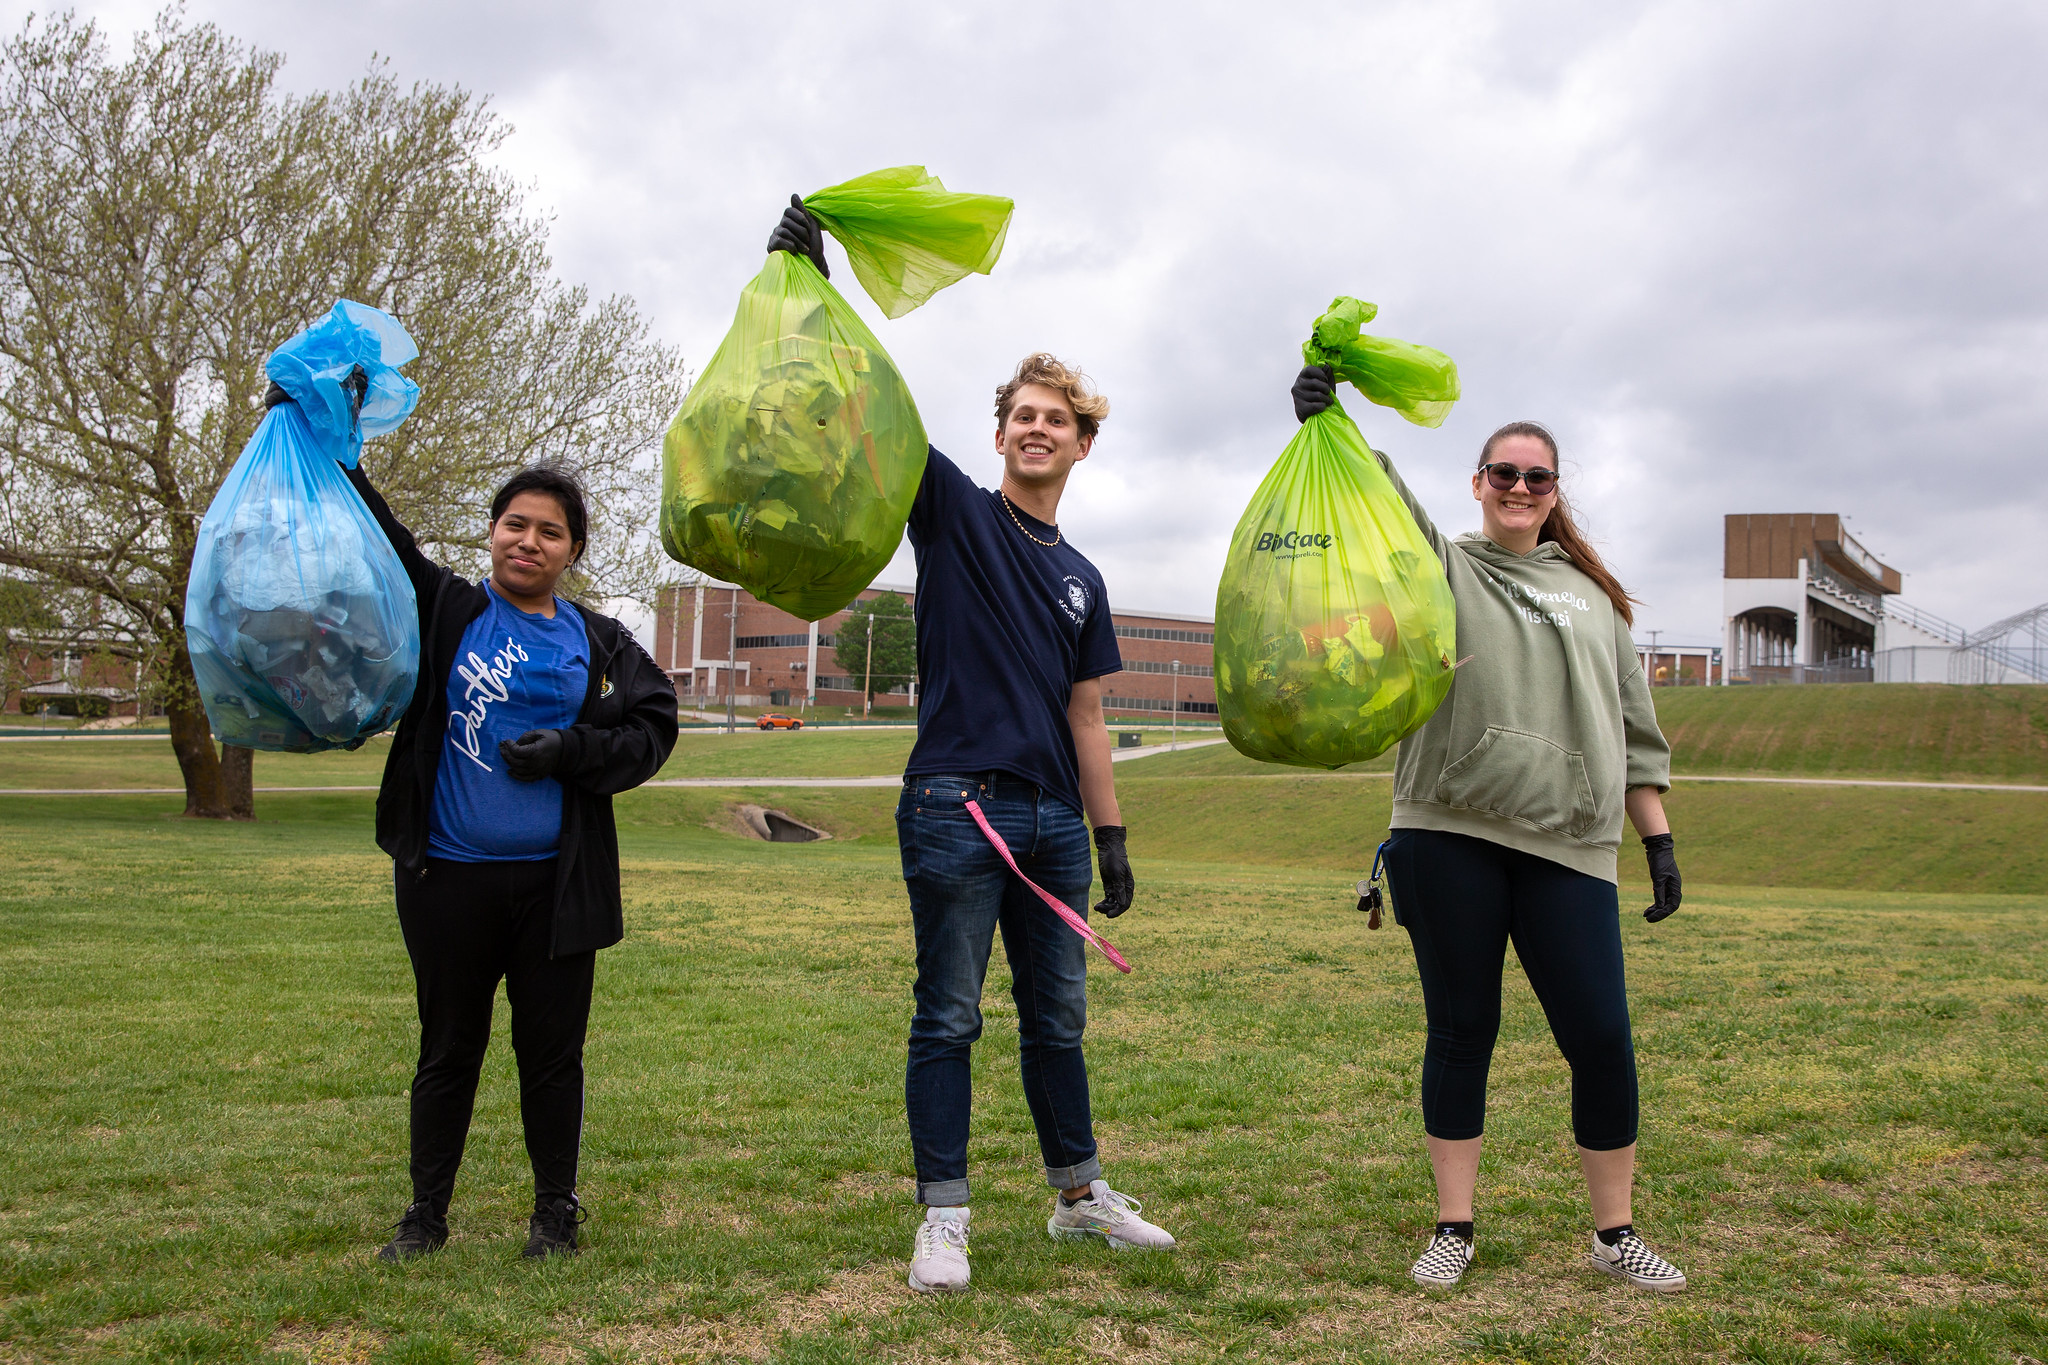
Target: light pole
[[732, 656], [1176, 706], [867, 682]]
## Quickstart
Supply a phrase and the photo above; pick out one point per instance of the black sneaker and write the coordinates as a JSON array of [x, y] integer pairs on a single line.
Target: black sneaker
[[420, 1231], [552, 1232]]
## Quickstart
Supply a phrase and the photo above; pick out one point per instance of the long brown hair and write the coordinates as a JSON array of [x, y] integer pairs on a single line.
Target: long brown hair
[[1560, 529]]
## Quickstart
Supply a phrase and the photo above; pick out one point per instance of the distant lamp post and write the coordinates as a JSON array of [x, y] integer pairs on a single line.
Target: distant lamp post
[[732, 656], [1176, 706]]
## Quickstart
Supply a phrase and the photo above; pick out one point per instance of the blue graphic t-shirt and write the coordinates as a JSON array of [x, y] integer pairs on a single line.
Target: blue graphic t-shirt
[[1009, 618], [516, 671]]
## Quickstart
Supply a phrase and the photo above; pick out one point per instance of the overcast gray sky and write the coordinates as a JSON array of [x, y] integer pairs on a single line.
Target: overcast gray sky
[[1742, 257]]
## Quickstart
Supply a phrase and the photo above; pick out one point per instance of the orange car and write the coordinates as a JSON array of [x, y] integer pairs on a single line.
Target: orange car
[[774, 722]]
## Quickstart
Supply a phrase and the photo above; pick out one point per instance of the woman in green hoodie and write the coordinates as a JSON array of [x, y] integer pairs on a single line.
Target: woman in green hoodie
[[1508, 808]]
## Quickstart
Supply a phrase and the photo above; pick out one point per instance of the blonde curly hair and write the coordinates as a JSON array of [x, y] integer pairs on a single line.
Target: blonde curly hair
[[1090, 407]]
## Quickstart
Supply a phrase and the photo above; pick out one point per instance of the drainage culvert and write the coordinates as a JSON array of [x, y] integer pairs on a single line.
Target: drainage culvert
[[777, 827]]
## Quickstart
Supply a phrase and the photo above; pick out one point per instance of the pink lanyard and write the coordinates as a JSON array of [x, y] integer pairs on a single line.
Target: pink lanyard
[[1074, 921]]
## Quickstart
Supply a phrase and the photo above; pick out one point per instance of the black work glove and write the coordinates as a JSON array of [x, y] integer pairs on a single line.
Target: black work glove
[[799, 234], [1117, 885], [1663, 877], [532, 756], [1315, 388]]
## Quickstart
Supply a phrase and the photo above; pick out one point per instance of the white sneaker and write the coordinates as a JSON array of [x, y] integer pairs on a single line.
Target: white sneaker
[[938, 1265], [1631, 1259], [1111, 1216], [1443, 1262]]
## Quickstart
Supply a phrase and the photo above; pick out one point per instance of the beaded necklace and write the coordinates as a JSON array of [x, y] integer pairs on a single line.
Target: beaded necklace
[[1048, 544]]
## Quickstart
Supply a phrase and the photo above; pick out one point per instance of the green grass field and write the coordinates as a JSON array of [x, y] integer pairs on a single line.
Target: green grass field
[[1844, 1044]]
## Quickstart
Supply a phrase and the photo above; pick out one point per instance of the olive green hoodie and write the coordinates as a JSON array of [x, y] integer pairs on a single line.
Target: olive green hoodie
[[1549, 720]]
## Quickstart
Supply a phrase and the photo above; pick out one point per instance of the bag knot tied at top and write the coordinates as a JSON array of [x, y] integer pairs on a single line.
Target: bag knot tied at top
[[343, 373], [1419, 382], [907, 236]]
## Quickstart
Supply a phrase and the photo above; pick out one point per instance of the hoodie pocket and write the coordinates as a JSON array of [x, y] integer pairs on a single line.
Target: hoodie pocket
[[1525, 777]]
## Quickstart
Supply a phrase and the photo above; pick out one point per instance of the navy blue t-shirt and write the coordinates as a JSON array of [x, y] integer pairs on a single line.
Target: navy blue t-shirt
[[1005, 628], [516, 671]]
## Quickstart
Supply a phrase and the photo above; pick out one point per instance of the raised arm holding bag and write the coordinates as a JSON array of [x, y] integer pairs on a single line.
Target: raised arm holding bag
[[792, 465], [300, 619], [1335, 627]]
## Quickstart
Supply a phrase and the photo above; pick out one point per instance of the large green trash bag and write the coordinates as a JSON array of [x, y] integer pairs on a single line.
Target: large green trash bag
[[1334, 622], [791, 468]]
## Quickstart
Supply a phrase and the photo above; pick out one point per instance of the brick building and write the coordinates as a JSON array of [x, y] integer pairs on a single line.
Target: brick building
[[705, 637]]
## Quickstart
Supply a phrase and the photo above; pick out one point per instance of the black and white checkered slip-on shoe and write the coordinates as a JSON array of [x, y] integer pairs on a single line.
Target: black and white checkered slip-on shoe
[[1631, 1259], [1443, 1263]]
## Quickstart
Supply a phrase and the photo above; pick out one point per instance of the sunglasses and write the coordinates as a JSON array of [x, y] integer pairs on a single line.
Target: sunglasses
[[1505, 476]]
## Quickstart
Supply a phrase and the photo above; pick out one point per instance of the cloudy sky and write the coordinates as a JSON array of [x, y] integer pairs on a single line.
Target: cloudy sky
[[1742, 257]]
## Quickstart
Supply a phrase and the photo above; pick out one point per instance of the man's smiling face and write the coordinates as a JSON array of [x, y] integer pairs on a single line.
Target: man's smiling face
[[1040, 440]]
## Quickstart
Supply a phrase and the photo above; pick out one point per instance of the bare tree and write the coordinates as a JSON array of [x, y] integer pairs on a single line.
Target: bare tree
[[166, 221]]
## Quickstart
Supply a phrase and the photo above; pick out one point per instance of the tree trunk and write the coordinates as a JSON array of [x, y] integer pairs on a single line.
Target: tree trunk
[[206, 792], [238, 780]]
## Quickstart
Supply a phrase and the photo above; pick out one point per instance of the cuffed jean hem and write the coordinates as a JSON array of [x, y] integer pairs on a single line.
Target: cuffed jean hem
[[1074, 1177], [942, 1194]]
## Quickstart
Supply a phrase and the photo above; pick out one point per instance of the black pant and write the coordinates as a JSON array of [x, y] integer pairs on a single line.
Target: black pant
[[466, 926], [1461, 899]]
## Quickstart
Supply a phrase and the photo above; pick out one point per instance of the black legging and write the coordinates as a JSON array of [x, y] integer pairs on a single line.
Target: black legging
[[467, 925], [1461, 899]]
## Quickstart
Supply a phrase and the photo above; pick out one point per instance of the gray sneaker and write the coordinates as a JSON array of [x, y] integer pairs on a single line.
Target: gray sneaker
[[1111, 1216], [938, 1263], [1631, 1259]]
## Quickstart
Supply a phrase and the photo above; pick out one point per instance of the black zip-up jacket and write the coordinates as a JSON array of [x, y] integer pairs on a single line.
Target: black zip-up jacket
[[622, 736]]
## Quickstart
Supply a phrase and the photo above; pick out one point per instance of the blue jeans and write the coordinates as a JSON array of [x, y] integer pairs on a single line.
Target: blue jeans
[[960, 892]]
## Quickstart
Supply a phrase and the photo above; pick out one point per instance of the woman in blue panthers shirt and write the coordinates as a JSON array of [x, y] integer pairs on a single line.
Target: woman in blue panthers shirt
[[517, 671], [496, 809]]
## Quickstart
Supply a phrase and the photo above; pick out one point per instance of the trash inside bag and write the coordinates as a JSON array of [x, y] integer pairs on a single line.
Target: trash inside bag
[[300, 620], [1335, 627], [794, 460]]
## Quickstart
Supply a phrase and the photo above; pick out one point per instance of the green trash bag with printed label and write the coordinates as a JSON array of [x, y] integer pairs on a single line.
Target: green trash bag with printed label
[[791, 467], [1335, 627]]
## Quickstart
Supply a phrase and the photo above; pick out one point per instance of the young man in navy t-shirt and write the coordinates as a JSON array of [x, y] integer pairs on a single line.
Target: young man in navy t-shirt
[[1014, 637]]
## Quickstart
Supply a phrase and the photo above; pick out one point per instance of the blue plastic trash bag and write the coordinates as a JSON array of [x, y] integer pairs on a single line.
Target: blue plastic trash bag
[[300, 620]]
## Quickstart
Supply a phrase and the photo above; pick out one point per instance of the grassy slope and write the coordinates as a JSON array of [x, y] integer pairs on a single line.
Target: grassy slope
[[1846, 837], [1919, 733], [1923, 732], [203, 1128], [1843, 837]]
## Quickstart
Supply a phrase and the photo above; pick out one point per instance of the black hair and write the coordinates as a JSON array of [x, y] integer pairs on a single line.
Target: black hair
[[559, 484]]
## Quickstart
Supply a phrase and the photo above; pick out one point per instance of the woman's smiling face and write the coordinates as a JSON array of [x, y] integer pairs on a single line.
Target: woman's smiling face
[[1513, 517], [530, 547]]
